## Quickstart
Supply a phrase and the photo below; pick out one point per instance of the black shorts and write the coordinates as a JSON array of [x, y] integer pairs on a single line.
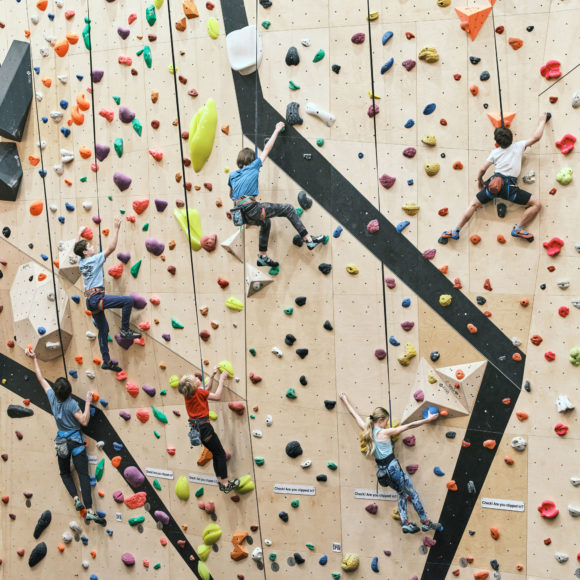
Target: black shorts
[[510, 192]]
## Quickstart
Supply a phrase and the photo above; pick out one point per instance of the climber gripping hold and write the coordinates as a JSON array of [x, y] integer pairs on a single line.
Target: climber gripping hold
[[507, 159], [243, 185], [376, 438]]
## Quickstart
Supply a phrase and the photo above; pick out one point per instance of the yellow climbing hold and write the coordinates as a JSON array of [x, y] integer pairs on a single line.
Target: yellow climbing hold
[[213, 415], [410, 208], [172, 69], [352, 269], [371, 95], [431, 378], [203, 551], [213, 28], [158, 4], [395, 513], [246, 484], [373, 16], [227, 366], [350, 562], [432, 169], [173, 381], [429, 140], [443, 3], [410, 353], [211, 534], [182, 488], [445, 299], [203, 571], [234, 303], [202, 134], [395, 423], [195, 232], [429, 54]]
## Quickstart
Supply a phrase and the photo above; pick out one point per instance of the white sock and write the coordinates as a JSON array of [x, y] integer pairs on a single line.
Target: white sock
[[518, 228], [456, 229]]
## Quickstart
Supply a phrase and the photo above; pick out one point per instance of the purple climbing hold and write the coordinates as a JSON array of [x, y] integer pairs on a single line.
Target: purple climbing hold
[[118, 496], [160, 204], [124, 415], [96, 219], [123, 32], [387, 181], [407, 325], [372, 508], [125, 343], [411, 469], [373, 226], [373, 111], [125, 114], [97, 75], [409, 64], [128, 559], [429, 254], [133, 476], [122, 181], [380, 353], [409, 440], [429, 542], [161, 516], [410, 152], [166, 337], [154, 247], [149, 390], [101, 151], [138, 301], [390, 282], [358, 38], [123, 257], [419, 396]]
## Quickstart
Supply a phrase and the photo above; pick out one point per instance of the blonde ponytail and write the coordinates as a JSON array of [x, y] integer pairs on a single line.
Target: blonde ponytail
[[367, 442], [187, 386]]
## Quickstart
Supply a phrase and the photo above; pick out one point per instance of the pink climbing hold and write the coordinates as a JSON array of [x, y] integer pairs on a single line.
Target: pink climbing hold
[[429, 254], [387, 181], [380, 353], [373, 227], [551, 70], [373, 111], [128, 559], [390, 282], [411, 469], [409, 440], [209, 242], [372, 508], [566, 143], [419, 396], [118, 496], [548, 509], [409, 64], [407, 325], [358, 38], [429, 542], [410, 152], [554, 246]]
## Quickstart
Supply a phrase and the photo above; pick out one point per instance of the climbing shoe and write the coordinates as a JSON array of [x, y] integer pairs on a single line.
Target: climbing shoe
[[111, 366], [522, 234], [79, 505], [266, 261], [130, 334], [410, 528], [232, 484], [454, 235], [315, 241], [427, 525], [91, 517], [501, 209]]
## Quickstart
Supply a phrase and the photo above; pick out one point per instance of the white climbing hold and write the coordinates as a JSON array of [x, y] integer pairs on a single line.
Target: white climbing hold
[[100, 444], [52, 345], [50, 297], [575, 481], [306, 464], [574, 511], [67, 537], [90, 374], [305, 42], [530, 177], [58, 169], [63, 79], [87, 205], [257, 555], [277, 352], [34, 19], [52, 207], [576, 302], [268, 542], [576, 100], [563, 404], [49, 38], [257, 433], [38, 96], [41, 145], [66, 156], [563, 284], [244, 47], [59, 3], [85, 564], [90, 335], [75, 527], [327, 118], [269, 420], [519, 443], [516, 341], [44, 52], [560, 557]]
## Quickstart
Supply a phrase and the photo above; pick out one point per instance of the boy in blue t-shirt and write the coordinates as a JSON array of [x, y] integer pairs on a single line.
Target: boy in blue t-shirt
[[91, 266], [243, 185]]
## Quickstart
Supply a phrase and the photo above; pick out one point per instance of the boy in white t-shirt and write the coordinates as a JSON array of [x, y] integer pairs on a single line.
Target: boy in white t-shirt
[[507, 159]]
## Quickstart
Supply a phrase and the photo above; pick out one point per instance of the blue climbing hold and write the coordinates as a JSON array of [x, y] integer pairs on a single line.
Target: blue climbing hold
[[80, 77], [387, 36], [429, 108], [410, 181], [37, 70], [394, 341], [94, 576], [44, 120], [61, 219], [361, 155], [409, 124], [84, 540], [430, 410], [41, 330], [92, 481], [65, 131], [64, 104], [101, 514], [323, 560], [103, 402], [110, 532], [336, 233], [42, 173], [406, 303], [401, 226], [76, 299], [74, 374], [51, 17], [437, 471], [69, 206], [117, 446], [375, 564], [44, 257], [387, 65]]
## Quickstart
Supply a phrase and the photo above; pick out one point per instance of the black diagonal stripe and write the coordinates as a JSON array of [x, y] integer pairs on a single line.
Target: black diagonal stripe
[[349, 207], [22, 382]]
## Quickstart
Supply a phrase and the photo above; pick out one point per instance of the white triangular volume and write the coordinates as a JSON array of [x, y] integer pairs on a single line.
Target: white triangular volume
[[255, 280], [470, 383], [234, 245]]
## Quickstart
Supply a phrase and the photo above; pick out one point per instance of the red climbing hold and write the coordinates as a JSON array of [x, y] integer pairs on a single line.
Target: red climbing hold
[[255, 378], [501, 239], [457, 284], [475, 239], [443, 211], [550, 356], [508, 460], [457, 76], [373, 111], [237, 406], [223, 283], [140, 205], [561, 429], [551, 70], [116, 270], [409, 35], [506, 401], [500, 29], [536, 339], [548, 509], [373, 226], [554, 246], [451, 485], [487, 285], [443, 122], [566, 143], [563, 311], [489, 443], [156, 154], [553, 191]]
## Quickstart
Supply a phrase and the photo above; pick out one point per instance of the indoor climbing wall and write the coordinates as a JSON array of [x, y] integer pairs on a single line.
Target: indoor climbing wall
[[139, 109]]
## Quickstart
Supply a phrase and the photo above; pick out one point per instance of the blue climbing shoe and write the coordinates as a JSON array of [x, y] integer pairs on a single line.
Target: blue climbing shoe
[[315, 241], [410, 528], [522, 234], [266, 261], [450, 234], [428, 525]]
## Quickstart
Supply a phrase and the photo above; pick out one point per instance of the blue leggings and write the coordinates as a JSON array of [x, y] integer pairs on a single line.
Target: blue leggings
[[401, 483]]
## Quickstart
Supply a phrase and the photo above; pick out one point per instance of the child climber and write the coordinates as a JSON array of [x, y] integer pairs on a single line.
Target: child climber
[[376, 437], [507, 159], [91, 267], [243, 185], [70, 442], [196, 399]]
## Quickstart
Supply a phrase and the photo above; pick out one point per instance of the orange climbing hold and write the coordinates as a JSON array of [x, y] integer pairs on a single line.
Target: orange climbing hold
[[444, 269], [136, 500], [77, 117], [521, 415], [508, 460], [457, 165], [143, 415], [474, 90], [239, 537], [237, 406], [41, 277], [238, 553], [472, 328], [131, 388], [524, 302], [61, 48], [116, 461], [115, 271], [85, 152], [494, 532], [517, 356], [472, 19], [42, 4], [83, 104], [36, 207], [72, 38], [205, 457], [515, 43], [451, 485], [490, 443], [140, 205], [33, 160], [481, 575], [459, 374], [495, 119], [501, 239], [475, 239]]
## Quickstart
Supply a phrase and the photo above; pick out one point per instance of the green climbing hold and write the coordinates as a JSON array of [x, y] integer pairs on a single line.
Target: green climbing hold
[[118, 145], [109, 339], [199, 492], [194, 228], [163, 392], [182, 488], [212, 415], [156, 484], [150, 15], [310, 547], [211, 534], [157, 566], [203, 571], [332, 465], [135, 269], [288, 311], [259, 461], [295, 503], [336, 575], [318, 56], [145, 227], [226, 365], [83, 179], [272, 557], [172, 69], [325, 240], [110, 197], [117, 100], [156, 433], [147, 56], [299, 211], [574, 356], [140, 52], [234, 303], [266, 24], [274, 271], [291, 393], [252, 416], [203, 551], [122, 211], [159, 415], [87, 33], [176, 324], [137, 126], [99, 469], [136, 520], [293, 86], [213, 28], [320, 141], [253, 352]]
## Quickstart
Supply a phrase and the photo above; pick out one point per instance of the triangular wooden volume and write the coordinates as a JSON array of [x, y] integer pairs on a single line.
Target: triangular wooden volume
[[472, 19], [234, 245], [255, 280]]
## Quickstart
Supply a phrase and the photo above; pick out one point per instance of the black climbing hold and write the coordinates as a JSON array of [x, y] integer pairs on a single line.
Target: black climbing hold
[[542, 286], [321, 477], [302, 352], [484, 76], [528, 386], [548, 117], [292, 115], [330, 404], [301, 300], [43, 523], [293, 449], [297, 240], [303, 381], [434, 356], [443, 241], [529, 28], [18, 411], [501, 209], [266, 3], [298, 558], [325, 268], [37, 554], [304, 201], [443, 155], [6, 231], [31, 245], [471, 487], [292, 58], [474, 59], [283, 516], [290, 339], [10, 171], [450, 434], [481, 300], [336, 68], [494, 564], [327, 325], [472, 532], [485, 105]]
